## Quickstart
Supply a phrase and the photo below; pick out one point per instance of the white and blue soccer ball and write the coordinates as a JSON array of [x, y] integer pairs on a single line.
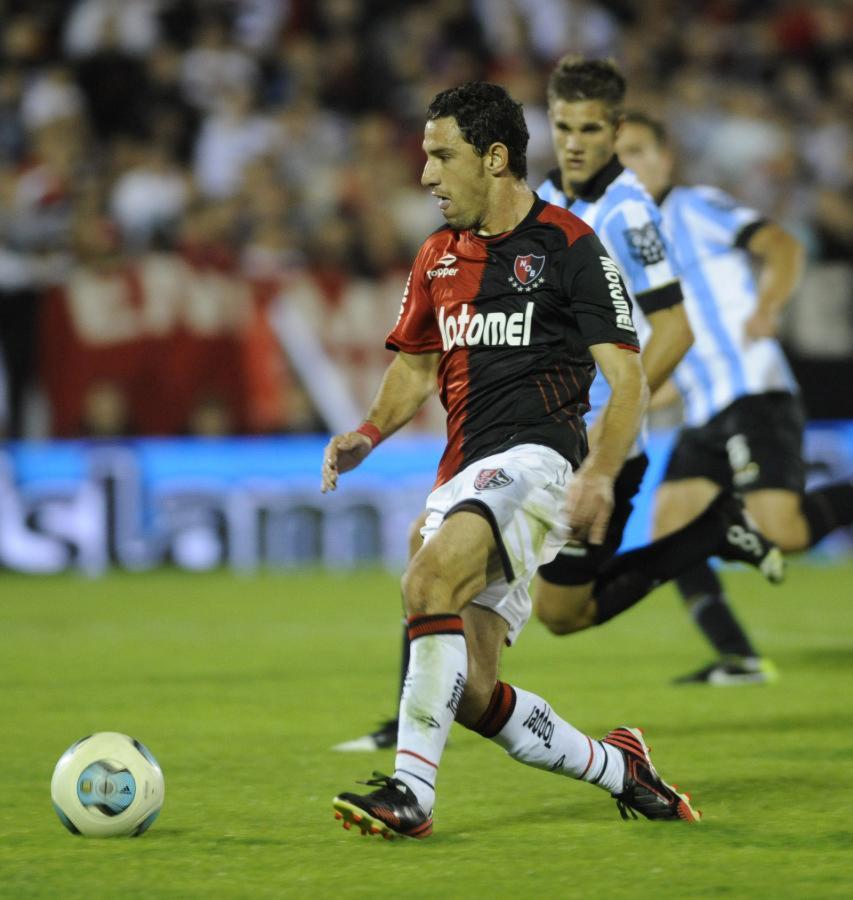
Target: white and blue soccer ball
[[107, 784]]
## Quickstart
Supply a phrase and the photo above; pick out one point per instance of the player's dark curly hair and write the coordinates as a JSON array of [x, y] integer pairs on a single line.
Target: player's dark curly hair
[[576, 78], [486, 114], [657, 128]]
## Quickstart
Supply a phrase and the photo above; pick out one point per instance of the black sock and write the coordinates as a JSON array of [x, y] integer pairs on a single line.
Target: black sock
[[629, 577], [828, 508], [701, 579], [705, 598]]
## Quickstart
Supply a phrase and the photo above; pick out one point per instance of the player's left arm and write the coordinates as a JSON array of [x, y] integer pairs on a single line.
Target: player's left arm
[[780, 263], [602, 311], [590, 499], [671, 337]]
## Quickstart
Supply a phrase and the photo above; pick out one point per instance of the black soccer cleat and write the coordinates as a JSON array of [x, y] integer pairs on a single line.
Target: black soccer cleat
[[391, 810], [732, 671], [643, 790], [743, 542], [383, 738]]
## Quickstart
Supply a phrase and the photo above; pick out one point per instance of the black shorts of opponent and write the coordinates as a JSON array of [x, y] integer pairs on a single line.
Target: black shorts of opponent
[[753, 444], [581, 563]]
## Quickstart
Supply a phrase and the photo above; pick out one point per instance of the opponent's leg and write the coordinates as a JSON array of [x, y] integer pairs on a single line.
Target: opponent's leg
[[828, 508], [723, 529], [564, 608], [798, 521]]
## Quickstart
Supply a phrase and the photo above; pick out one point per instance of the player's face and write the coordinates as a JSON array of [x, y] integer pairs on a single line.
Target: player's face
[[584, 137], [455, 174], [638, 149]]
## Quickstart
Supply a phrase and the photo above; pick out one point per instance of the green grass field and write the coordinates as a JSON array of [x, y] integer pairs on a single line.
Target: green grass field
[[240, 686]]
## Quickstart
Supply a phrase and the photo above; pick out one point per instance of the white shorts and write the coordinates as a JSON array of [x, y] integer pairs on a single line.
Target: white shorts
[[522, 491]]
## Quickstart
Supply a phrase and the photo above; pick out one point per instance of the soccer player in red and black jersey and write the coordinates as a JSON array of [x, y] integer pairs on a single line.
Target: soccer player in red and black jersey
[[510, 307], [584, 584]]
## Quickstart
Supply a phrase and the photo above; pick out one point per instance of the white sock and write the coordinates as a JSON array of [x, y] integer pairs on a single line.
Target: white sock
[[438, 667], [535, 735]]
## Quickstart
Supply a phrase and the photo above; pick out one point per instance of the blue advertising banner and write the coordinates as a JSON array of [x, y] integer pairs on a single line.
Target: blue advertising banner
[[252, 502]]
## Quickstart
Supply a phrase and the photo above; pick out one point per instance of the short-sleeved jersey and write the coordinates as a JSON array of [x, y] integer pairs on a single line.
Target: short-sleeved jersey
[[513, 317], [709, 232], [620, 210]]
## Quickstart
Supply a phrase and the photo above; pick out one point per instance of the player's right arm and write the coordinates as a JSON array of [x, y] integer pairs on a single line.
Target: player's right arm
[[780, 264], [407, 384]]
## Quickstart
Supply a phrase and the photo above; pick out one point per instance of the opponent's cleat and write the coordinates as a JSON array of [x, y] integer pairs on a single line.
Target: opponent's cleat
[[643, 790], [731, 671], [390, 810], [383, 738], [743, 542]]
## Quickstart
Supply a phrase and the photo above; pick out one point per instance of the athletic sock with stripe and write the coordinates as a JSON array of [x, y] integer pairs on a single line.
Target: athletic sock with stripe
[[438, 668], [531, 732]]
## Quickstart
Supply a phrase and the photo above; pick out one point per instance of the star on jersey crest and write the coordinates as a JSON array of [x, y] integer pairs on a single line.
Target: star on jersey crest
[[526, 289]]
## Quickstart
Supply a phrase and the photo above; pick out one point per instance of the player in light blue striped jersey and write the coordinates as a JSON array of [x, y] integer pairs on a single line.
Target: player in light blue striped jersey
[[587, 584], [744, 420]]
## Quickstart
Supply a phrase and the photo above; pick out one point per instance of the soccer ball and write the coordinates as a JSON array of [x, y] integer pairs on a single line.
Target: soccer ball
[[107, 784]]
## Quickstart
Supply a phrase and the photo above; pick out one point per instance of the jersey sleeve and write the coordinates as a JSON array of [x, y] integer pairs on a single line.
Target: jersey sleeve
[[597, 294], [416, 329], [635, 236], [732, 223]]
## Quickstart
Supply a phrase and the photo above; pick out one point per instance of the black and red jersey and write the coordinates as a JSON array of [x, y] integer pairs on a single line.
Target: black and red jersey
[[513, 317]]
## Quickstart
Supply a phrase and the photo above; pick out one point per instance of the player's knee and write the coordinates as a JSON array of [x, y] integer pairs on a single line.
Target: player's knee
[[425, 591], [788, 531], [561, 622], [560, 614]]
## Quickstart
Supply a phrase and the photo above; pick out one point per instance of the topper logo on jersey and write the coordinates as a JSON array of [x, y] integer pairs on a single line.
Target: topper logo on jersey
[[527, 270], [493, 329], [617, 294], [445, 272]]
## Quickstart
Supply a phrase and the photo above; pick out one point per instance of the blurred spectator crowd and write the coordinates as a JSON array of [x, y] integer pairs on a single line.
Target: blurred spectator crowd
[[169, 168]]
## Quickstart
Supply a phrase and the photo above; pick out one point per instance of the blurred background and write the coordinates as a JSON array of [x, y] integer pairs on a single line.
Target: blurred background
[[208, 209]]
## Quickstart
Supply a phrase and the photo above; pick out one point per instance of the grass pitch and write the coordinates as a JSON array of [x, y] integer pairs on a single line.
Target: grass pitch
[[240, 685]]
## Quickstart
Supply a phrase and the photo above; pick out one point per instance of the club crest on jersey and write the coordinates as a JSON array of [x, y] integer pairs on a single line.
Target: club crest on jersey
[[526, 270], [491, 478]]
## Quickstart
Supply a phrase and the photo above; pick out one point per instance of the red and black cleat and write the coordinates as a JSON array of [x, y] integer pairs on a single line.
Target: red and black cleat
[[392, 810], [643, 790]]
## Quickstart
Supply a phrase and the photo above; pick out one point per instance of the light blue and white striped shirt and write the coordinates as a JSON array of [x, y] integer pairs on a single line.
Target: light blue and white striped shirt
[[620, 210], [708, 231]]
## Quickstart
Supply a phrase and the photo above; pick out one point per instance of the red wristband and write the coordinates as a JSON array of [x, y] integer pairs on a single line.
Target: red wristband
[[370, 431]]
